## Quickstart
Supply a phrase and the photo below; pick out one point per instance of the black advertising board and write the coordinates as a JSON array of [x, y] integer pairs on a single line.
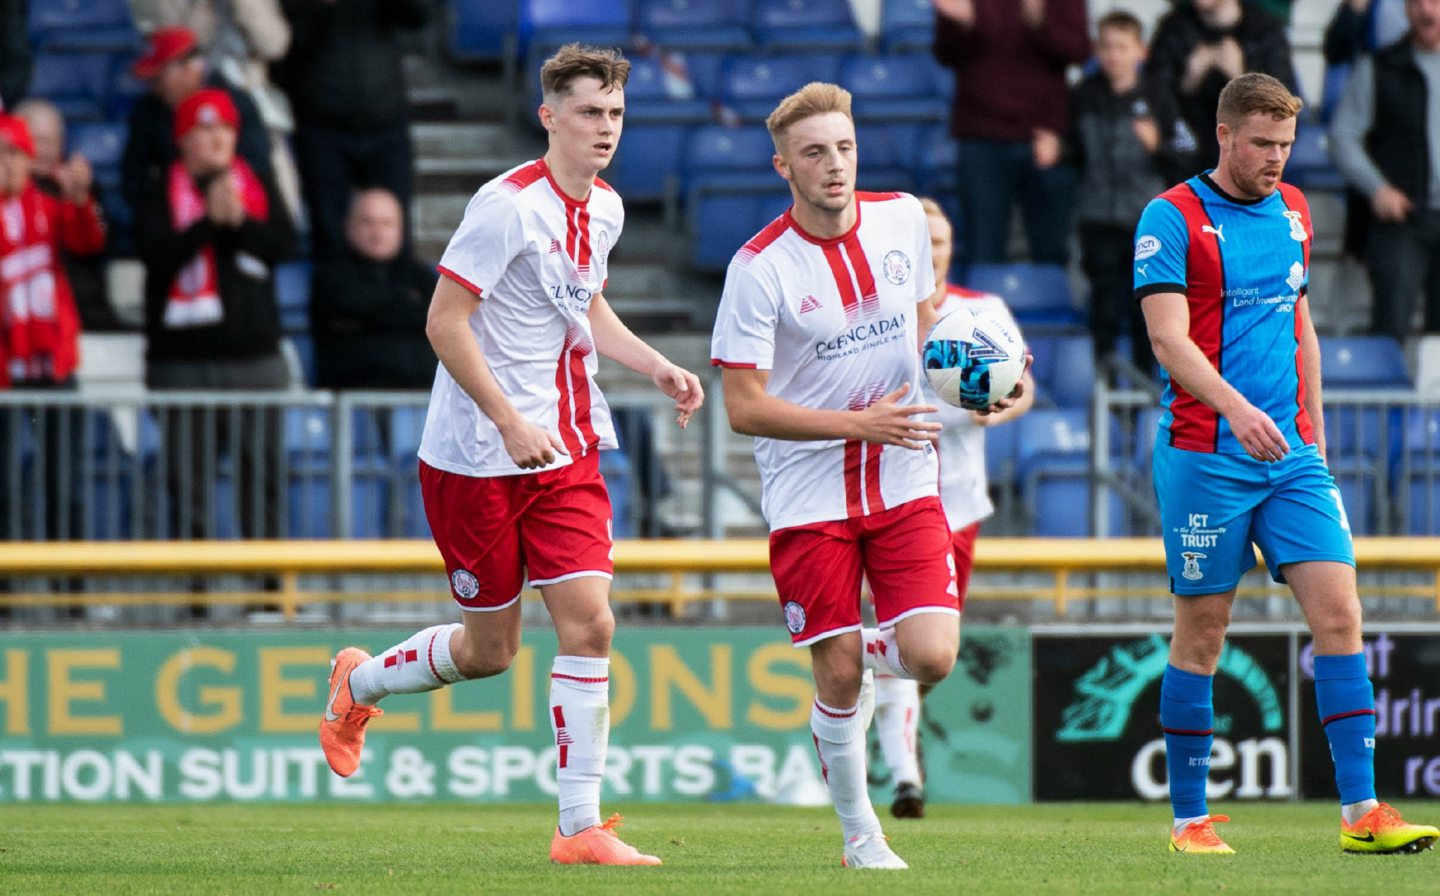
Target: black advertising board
[[1096, 704], [1405, 669]]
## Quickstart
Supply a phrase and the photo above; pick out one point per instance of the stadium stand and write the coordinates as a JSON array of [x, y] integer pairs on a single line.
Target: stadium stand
[[907, 26], [791, 25], [694, 24], [1038, 294]]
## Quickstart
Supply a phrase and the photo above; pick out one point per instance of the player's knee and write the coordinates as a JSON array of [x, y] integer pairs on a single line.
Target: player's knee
[[475, 658], [587, 634], [929, 666], [1338, 630]]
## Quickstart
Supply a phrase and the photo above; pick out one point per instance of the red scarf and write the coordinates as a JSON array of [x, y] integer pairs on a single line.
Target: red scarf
[[38, 322], [194, 299]]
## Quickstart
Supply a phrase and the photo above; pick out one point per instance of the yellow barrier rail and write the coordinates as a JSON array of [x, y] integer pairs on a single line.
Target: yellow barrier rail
[[1062, 559]]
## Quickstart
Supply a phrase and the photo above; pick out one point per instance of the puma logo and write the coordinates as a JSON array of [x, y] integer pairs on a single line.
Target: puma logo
[[1218, 231]]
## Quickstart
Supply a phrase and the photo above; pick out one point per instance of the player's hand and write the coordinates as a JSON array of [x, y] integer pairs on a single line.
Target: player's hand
[[531, 447], [1390, 204], [681, 385], [962, 12], [887, 422], [1258, 434], [984, 418]]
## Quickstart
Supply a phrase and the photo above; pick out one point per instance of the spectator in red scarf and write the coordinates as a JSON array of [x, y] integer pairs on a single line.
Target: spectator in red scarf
[[39, 326], [210, 237]]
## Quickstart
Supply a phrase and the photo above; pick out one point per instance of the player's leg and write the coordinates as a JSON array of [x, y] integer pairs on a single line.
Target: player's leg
[[565, 536], [1305, 536], [911, 567], [897, 728], [469, 539], [1206, 505]]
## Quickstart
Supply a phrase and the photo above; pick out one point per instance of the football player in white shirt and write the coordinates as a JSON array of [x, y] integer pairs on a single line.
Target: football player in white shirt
[[818, 338], [965, 495], [508, 459]]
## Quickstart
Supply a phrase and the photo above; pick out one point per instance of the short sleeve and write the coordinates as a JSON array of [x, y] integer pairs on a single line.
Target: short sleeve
[[745, 323], [1161, 246], [925, 265], [488, 239]]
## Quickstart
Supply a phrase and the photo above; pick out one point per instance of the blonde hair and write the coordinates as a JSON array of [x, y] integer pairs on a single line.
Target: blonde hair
[[573, 61], [815, 98], [1256, 92]]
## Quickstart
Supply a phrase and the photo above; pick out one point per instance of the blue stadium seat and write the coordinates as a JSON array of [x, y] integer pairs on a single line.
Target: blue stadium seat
[[647, 167], [1363, 362], [125, 88], [788, 25], [694, 24], [907, 26], [888, 150], [722, 222], [1037, 293], [480, 27], [1310, 166], [719, 157], [1053, 468], [705, 69], [82, 25], [1356, 480], [406, 427], [547, 24], [119, 220], [292, 294], [936, 158], [617, 471], [307, 445], [1072, 375], [1002, 445], [77, 83], [102, 144], [752, 85], [892, 88], [657, 95]]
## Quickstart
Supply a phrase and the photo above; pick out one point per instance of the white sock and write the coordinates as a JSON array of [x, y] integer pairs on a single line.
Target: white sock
[[882, 653], [580, 718], [1180, 823], [897, 723], [840, 743], [419, 663], [1353, 812]]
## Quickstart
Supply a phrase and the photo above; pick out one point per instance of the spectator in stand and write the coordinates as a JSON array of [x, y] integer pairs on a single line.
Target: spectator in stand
[[210, 237], [1200, 45], [55, 175], [1010, 58], [175, 71], [15, 60], [1381, 140], [346, 82], [39, 326], [1129, 143], [238, 40], [368, 306]]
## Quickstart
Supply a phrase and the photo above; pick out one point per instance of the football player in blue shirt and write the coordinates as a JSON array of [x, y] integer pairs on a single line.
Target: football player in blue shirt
[[1221, 271]]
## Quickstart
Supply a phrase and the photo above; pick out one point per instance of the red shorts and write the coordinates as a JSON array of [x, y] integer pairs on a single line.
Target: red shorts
[[493, 530], [962, 546], [904, 552]]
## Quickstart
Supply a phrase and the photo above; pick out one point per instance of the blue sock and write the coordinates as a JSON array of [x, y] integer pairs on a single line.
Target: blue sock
[[1346, 700], [1186, 717]]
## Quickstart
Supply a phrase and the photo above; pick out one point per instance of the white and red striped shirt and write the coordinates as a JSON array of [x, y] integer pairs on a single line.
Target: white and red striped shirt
[[834, 323], [535, 257], [964, 489]]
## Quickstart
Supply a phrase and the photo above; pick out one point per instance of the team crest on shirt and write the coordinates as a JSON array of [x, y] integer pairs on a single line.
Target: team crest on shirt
[[794, 617], [465, 584], [1297, 227], [897, 267], [1147, 246], [1192, 565]]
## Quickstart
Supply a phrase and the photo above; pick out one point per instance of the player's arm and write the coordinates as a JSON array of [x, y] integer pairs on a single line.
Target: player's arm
[[447, 326], [755, 412], [1310, 366], [615, 341], [1167, 317]]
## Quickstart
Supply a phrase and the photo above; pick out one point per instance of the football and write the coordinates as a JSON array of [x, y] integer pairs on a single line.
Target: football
[[974, 358]]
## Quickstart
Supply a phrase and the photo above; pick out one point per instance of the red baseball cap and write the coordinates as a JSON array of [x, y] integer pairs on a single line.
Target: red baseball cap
[[14, 131], [166, 45], [209, 106]]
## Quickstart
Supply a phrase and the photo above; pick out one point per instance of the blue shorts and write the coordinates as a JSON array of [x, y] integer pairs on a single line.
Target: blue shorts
[[1213, 507]]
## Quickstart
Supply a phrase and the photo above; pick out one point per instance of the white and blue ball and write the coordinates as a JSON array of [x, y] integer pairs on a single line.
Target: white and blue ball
[[973, 358]]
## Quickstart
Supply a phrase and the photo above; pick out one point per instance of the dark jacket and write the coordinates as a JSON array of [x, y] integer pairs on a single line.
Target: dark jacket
[[1262, 40], [16, 63], [1118, 176], [343, 70], [368, 321], [251, 324], [1009, 77], [1398, 142], [151, 146]]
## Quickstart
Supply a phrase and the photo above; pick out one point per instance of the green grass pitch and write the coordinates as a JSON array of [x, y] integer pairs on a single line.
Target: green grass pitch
[[708, 849]]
